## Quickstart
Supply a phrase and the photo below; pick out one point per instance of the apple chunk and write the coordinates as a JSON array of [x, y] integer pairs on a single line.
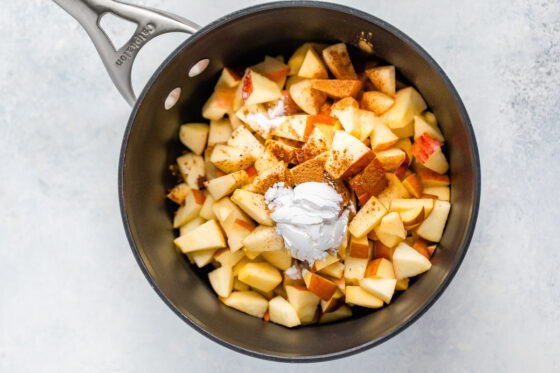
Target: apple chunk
[[358, 296], [319, 285], [230, 159], [219, 131], [282, 312], [375, 101], [257, 89], [312, 66], [408, 262], [221, 280], [382, 138], [206, 236], [383, 79], [178, 193], [190, 208], [307, 98], [192, 168], [427, 151], [421, 126], [347, 156], [369, 182], [263, 238], [194, 136], [382, 288], [253, 204], [250, 302], [338, 61], [367, 217], [338, 88], [224, 185], [261, 276], [432, 228], [399, 118], [336, 315], [243, 139], [305, 302], [219, 103]]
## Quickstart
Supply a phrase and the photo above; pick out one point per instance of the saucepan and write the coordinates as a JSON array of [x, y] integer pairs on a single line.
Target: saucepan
[[175, 95]]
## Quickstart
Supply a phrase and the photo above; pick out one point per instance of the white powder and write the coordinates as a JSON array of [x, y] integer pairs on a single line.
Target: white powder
[[278, 110], [264, 121], [309, 218]]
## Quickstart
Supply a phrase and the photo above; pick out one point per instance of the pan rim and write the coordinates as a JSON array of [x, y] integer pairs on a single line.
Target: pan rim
[[472, 143]]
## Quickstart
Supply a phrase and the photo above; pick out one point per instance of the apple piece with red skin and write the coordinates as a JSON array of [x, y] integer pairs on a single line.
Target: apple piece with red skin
[[257, 88], [319, 285], [380, 268], [229, 77], [413, 184], [427, 151], [219, 103], [430, 178]]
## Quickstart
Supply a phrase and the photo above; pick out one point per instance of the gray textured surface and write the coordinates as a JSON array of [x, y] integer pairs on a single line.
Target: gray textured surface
[[73, 299]]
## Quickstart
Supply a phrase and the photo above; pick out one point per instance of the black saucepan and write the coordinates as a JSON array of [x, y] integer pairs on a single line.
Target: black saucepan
[[151, 144]]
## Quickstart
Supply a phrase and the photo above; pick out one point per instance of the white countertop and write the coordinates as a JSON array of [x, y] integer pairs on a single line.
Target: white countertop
[[73, 298]]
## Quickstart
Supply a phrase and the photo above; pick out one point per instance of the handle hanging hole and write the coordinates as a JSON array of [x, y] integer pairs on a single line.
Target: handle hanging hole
[[172, 98], [199, 67]]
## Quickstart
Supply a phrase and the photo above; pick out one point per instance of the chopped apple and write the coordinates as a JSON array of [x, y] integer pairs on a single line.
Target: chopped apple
[[281, 259], [421, 126], [312, 66], [320, 264], [359, 247], [316, 144], [408, 262], [355, 268], [367, 217], [383, 79], [338, 61], [405, 204], [395, 189], [336, 315], [269, 177], [258, 89], [282, 312], [430, 178], [382, 251], [219, 103], [274, 69], [178, 193], [347, 156], [235, 223], [382, 288], [249, 302], [432, 228], [392, 224], [399, 118], [305, 302], [219, 131], [224, 185], [319, 285], [413, 217], [253, 204], [413, 184], [380, 268], [206, 236], [369, 182], [282, 151], [194, 223], [336, 301], [375, 101], [338, 88], [229, 78], [387, 239], [242, 138], [194, 136], [311, 170], [299, 55], [202, 257], [335, 270], [405, 144], [428, 152], [307, 98], [421, 246], [391, 159], [230, 159], [382, 138], [265, 161], [228, 258], [368, 121], [294, 127], [207, 211], [261, 276], [263, 238], [221, 280], [441, 192], [402, 284], [192, 169], [359, 297], [190, 208]]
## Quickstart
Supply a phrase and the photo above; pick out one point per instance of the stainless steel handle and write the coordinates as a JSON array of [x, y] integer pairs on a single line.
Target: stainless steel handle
[[150, 24]]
